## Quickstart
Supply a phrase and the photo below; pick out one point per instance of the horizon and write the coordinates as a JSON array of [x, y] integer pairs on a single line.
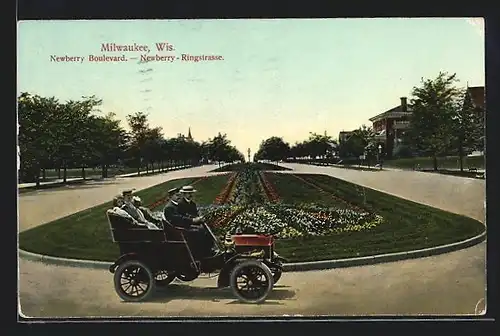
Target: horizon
[[281, 78]]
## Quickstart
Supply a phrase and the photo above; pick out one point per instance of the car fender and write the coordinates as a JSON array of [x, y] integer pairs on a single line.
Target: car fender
[[121, 260], [223, 279]]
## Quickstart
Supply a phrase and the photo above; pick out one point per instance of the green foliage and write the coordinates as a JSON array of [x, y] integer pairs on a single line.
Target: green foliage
[[317, 145], [219, 149], [433, 106], [255, 166], [361, 142], [274, 149], [75, 134]]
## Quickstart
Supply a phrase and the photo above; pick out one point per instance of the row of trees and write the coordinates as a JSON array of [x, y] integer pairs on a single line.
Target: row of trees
[[320, 146], [76, 134], [442, 123]]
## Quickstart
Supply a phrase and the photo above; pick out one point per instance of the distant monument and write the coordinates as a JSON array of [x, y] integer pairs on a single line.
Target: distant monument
[[248, 152]]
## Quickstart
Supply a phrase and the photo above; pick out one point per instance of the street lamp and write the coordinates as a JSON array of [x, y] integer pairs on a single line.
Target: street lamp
[[379, 154]]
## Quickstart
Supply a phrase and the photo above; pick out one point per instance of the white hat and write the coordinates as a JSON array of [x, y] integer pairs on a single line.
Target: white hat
[[187, 189]]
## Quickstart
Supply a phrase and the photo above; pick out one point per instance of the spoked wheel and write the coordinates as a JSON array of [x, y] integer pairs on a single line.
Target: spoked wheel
[[251, 281], [164, 278], [276, 274], [134, 281]]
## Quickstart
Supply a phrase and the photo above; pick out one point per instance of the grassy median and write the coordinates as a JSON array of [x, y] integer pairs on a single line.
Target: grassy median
[[406, 225]]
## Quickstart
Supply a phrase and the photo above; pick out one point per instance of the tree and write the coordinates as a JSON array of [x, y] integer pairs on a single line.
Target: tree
[[153, 139], [298, 150], [361, 141], [139, 126], [433, 105], [321, 145], [73, 132], [37, 134], [467, 128], [274, 149], [218, 148], [107, 141]]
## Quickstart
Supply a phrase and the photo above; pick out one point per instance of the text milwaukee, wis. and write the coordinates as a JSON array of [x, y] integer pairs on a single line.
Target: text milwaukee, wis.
[[113, 47]]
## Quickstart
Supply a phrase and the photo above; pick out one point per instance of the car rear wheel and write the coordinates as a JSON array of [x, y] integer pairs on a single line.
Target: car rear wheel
[[134, 281]]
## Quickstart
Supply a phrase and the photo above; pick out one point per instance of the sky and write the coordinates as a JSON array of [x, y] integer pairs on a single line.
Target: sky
[[276, 77]]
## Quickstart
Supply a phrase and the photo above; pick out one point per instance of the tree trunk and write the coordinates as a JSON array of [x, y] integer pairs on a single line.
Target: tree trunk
[[43, 174], [461, 158], [65, 173], [103, 170], [83, 172], [37, 177], [58, 173], [435, 162]]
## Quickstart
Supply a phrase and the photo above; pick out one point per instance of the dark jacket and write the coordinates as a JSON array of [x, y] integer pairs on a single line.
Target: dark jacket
[[180, 213]]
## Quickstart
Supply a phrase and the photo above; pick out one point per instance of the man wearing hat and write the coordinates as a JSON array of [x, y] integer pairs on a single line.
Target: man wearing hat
[[182, 211]]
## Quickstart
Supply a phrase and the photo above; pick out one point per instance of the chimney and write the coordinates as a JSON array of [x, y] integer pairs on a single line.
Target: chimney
[[404, 104]]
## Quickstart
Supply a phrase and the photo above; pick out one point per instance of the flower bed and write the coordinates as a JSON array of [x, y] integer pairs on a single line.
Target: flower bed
[[247, 190], [227, 191], [249, 203], [287, 221], [271, 193]]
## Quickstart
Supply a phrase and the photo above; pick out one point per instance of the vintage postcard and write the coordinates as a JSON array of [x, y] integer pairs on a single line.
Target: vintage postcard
[[231, 168]]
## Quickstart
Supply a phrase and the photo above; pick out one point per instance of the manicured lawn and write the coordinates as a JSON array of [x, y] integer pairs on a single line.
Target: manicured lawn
[[250, 165], [450, 162], [404, 226], [465, 173], [407, 225], [293, 191], [86, 235]]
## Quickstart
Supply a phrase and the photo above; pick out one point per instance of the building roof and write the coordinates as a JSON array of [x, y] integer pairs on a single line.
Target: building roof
[[476, 94], [388, 112]]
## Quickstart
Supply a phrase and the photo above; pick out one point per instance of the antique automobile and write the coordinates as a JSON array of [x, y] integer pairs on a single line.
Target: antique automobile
[[149, 258]]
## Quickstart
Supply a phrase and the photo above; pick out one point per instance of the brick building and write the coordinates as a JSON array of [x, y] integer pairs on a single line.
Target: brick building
[[390, 125], [344, 136]]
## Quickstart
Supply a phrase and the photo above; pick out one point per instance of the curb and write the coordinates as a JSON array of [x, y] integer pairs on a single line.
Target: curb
[[289, 267], [80, 180], [383, 258]]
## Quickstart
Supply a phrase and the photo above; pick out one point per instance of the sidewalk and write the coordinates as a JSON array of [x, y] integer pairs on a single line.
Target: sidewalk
[[80, 179]]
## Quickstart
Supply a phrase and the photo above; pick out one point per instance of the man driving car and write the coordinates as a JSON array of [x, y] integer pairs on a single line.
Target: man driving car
[[182, 211]]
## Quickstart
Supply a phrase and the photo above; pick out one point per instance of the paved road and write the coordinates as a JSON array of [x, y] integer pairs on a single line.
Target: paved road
[[42, 206], [455, 194], [447, 284], [60, 181]]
